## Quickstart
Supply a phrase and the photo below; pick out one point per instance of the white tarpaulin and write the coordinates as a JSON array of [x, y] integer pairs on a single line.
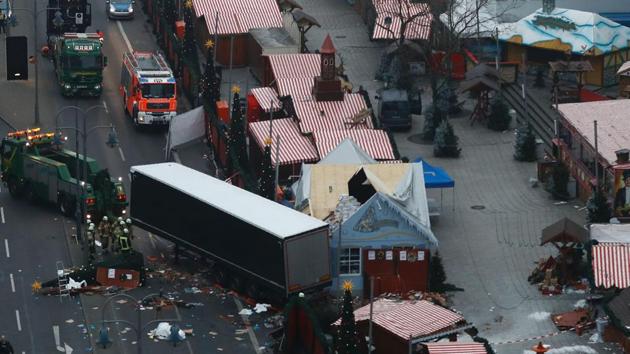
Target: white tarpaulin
[[163, 331], [184, 128]]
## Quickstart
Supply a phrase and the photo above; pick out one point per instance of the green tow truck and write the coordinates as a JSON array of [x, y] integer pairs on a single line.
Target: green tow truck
[[79, 63], [35, 167]]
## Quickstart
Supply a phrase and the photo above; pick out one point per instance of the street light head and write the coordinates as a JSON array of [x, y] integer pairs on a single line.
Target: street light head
[[112, 138], [103, 336]]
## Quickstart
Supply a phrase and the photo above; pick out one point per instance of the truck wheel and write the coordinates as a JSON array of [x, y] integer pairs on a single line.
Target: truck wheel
[[14, 188], [66, 205], [237, 284], [253, 292]]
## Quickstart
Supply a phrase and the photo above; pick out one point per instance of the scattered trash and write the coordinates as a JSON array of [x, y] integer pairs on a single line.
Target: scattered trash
[[261, 308], [72, 284], [562, 202], [533, 182], [274, 321], [213, 333], [245, 312], [193, 290], [539, 316], [580, 304], [239, 332], [163, 331], [121, 301], [595, 338], [70, 321]]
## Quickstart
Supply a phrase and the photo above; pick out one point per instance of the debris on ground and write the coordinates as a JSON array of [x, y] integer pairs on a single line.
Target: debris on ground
[[163, 331], [579, 320], [274, 321], [261, 308], [245, 312]]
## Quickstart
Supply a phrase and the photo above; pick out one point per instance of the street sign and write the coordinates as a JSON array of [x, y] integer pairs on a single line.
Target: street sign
[[17, 58]]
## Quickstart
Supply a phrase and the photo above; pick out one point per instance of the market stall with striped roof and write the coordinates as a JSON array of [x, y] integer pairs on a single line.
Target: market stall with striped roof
[[375, 142], [455, 348], [232, 19], [390, 15]]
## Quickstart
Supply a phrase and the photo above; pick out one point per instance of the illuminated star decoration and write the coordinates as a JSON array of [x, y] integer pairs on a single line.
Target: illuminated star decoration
[[347, 285], [209, 44], [236, 89], [36, 286], [267, 141], [188, 4]]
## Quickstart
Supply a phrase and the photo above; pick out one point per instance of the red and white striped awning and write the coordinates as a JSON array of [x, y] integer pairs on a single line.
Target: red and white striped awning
[[398, 11], [298, 87], [455, 348], [611, 265], [375, 142], [238, 16], [408, 319], [294, 65], [330, 115], [267, 98], [294, 147]]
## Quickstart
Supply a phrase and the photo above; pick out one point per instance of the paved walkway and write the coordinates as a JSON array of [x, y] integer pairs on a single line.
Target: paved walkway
[[490, 252]]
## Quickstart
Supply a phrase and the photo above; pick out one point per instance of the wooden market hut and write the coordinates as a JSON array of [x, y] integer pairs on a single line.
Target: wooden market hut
[[551, 33], [481, 80], [565, 235]]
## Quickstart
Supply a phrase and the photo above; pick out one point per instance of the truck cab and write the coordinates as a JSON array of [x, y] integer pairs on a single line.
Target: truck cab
[[148, 88], [394, 109], [79, 63]]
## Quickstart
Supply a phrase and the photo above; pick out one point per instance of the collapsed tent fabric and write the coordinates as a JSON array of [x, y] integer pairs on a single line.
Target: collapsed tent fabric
[[184, 128]]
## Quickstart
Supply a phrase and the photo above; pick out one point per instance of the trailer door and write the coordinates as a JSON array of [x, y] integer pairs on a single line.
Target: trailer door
[[307, 261]]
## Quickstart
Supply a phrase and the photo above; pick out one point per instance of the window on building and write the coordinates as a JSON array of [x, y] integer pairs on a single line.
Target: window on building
[[350, 261]]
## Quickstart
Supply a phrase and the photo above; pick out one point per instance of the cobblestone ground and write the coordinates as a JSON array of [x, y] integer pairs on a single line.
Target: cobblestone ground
[[490, 252]]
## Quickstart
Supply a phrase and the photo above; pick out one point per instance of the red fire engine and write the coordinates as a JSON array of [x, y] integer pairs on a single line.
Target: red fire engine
[[148, 88]]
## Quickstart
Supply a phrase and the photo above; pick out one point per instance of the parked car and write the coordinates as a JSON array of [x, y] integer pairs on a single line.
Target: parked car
[[120, 9]]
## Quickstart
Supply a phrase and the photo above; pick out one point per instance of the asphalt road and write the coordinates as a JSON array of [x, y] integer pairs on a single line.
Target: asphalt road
[[34, 237]]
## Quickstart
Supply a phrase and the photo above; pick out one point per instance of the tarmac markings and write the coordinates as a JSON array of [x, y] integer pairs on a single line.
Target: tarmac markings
[[17, 318], [2, 214], [250, 331], [105, 107], [6, 247], [124, 35], [12, 282], [122, 156]]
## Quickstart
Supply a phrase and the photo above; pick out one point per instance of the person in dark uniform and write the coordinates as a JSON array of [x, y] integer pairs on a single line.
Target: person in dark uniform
[[622, 197], [3, 22], [5, 346]]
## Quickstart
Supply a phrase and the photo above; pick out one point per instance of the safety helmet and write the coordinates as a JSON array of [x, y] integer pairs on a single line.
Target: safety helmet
[[105, 218], [92, 225], [126, 231], [120, 218], [122, 223], [91, 228], [128, 221]]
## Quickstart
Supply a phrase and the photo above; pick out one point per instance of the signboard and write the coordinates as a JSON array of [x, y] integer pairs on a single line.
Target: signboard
[[371, 255], [83, 47], [389, 255], [111, 273], [420, 255], [403, 255]]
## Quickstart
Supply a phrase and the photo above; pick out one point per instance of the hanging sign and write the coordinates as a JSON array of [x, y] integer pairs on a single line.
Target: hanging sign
[[371, 255], [421, 255], [111, 273], [389, 255], [403, 255]]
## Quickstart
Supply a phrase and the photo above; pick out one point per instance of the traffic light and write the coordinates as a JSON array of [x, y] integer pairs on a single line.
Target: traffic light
[[17, 58]]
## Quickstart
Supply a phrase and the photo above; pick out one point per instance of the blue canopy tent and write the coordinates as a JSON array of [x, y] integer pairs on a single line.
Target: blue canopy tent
[[436, 177]]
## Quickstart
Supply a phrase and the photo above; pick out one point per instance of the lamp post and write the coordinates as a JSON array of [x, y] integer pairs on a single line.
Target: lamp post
[[138, 328], [35, 13], [112, 141]]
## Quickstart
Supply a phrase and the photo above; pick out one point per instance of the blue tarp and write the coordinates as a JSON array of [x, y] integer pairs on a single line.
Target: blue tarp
[[435, 177]]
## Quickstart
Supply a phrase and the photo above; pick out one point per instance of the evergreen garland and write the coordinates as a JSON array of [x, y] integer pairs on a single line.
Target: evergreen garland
[[445, 143], [347, 335], [437, 275], [210, 83], [500, 118], [237, 143], [267, 175], [525, 145], [189, 34], [599, 210]]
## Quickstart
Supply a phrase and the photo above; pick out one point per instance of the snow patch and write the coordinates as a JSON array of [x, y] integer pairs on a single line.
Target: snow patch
[[539, 316], [580, 304], [581, 349]]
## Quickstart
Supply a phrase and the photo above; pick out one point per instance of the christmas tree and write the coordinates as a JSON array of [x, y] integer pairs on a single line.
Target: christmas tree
[[189, 34], [598, 208], [445, 143], [437, 275], [210, 83], [347, 336], [525, 146], [433, 116], [236, 143], [266, 174], [500, 118]]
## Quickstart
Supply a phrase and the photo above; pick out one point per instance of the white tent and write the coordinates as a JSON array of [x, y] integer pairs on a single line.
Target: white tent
[[184, 128]]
